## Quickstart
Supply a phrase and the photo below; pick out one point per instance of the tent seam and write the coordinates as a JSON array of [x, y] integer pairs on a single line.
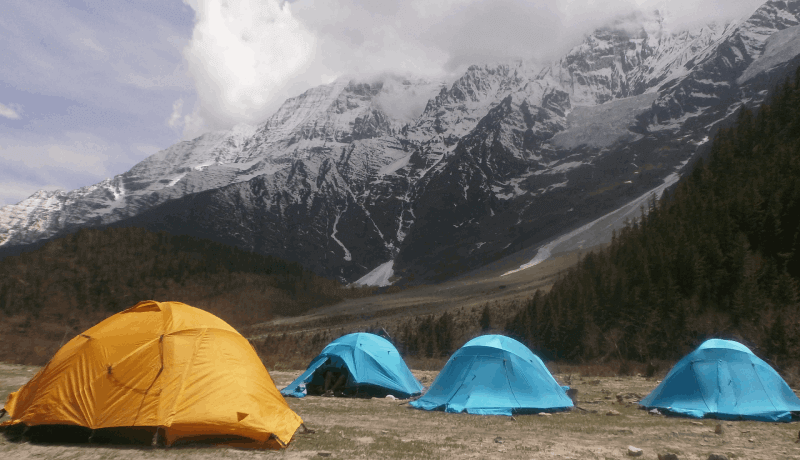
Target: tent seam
[[700, 388], [160, 370], [183, 380], [508, 381], [755, 371]]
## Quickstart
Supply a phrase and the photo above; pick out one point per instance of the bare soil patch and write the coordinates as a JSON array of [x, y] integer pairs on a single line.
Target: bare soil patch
[[385, 428]]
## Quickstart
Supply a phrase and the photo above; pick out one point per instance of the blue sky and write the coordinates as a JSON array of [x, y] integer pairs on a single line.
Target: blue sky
[[86, 89], [90, 88]]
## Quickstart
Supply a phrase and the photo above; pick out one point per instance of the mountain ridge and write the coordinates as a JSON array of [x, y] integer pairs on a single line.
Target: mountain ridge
[[335, 180]]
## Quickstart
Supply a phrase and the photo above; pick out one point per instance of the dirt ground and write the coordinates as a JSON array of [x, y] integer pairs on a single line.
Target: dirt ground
[[384, 428]]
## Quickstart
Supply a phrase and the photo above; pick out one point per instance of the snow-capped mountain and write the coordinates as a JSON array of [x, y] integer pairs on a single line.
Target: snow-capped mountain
[[423, 180]]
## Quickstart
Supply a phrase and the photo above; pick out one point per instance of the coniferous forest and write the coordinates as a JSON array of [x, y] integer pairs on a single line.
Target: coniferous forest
[[718, 257]]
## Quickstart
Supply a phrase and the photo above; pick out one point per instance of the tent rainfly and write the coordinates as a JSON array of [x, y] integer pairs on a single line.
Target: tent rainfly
[[494, 375], [723, 379], [373, 364], [164, 368]]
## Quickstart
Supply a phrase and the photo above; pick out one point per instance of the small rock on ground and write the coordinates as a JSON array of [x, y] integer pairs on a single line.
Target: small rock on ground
[[717, 457], [613, 412], [634, 451], [667, 456]]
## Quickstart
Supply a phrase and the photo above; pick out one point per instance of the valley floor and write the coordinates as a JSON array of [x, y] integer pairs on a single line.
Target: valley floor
[[487, 285], [382, 428]]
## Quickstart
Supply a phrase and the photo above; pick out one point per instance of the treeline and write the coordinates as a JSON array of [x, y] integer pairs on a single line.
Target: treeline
[[71, 283], [438, 336], [425, 341], [430, 337], [718, 257]]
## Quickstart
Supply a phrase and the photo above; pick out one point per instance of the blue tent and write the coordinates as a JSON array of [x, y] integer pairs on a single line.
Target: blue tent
[[723, 379], [374, 367], [494, 375]]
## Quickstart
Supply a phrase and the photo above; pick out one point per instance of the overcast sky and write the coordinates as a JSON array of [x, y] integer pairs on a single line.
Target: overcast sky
[[90, 88]]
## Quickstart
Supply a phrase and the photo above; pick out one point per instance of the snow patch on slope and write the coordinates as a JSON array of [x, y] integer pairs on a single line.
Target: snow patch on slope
[[347, 256], [602, 125], [781, 47], [176, 180], [379, 276], [30, 212], [599, 230], [391, 168]]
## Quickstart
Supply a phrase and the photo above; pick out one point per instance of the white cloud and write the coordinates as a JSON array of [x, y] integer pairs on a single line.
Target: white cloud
[[402, 103], [10, 111], [246, 57], [174, 120], [689, 13], [195, 124], [241, 54]]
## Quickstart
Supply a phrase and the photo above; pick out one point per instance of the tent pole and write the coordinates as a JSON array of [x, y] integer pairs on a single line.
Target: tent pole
[[91, 437], [155, 438]]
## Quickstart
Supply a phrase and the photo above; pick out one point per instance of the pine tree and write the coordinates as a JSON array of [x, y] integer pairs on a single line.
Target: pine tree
[[486, 319]]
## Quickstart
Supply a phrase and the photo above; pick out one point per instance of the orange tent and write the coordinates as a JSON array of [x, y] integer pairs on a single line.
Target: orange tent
[[159, 365]]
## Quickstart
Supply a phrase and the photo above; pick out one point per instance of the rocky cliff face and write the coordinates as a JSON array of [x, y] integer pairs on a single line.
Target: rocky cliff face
[[349, 176], [605, 124]]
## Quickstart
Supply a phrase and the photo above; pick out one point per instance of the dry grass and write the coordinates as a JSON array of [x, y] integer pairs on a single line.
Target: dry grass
[[427, 364], [613, 368]]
